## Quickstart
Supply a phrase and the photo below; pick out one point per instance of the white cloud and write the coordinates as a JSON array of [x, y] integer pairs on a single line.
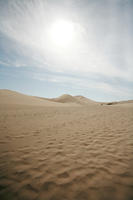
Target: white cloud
[[97, 48]]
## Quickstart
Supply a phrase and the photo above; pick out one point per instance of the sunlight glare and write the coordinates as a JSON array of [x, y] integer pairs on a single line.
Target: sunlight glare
[[62, 32]]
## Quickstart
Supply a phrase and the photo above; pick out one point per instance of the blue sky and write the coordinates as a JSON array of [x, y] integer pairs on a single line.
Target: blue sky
[[95, 62]]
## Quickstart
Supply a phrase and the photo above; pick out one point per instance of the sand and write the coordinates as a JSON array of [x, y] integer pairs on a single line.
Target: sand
[[60, 151]]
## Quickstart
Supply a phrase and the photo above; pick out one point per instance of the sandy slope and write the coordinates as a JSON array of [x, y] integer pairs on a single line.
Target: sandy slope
[[16, 98], [66, 152]]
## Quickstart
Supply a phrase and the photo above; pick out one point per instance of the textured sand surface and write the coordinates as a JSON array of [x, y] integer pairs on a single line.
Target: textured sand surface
[[66, 152]]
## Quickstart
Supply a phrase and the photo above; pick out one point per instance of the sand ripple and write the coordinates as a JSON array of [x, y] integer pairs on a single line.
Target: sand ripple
[[83, 153]]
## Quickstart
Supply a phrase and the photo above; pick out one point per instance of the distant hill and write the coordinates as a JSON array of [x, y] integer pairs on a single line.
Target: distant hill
[[66, 98]]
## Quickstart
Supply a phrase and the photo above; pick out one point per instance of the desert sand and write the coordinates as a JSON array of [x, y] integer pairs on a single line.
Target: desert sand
[[66, 148]]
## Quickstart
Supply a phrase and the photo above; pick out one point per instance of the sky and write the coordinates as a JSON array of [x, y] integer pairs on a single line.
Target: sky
[[54, 47]]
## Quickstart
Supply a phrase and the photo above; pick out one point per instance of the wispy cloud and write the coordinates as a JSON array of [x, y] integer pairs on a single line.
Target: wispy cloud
[[102, 45]]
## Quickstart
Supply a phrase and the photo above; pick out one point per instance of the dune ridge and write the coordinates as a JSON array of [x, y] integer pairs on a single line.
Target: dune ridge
[[13, 97]]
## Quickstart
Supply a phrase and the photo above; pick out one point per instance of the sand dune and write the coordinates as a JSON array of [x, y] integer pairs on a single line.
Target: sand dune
[[63, 99], [12, 97], [16, 98], [64, 152], [66, 98]]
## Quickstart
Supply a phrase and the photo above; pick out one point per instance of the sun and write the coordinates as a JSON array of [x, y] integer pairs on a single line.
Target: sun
[[62, 32]]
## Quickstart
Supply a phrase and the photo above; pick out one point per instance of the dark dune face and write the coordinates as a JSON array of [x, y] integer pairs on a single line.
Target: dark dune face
[[66, 153]]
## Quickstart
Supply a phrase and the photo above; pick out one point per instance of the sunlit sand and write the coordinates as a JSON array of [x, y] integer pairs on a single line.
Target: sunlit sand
[[68, 148]]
